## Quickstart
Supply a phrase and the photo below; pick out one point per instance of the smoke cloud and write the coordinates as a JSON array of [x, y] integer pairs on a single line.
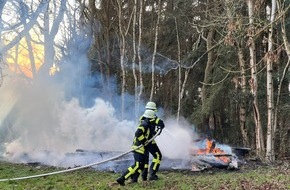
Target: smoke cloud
[[46, 120], [176, 139]]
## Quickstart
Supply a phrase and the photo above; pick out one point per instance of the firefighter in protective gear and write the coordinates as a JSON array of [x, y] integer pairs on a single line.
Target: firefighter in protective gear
[[152, 147], [142, 135]]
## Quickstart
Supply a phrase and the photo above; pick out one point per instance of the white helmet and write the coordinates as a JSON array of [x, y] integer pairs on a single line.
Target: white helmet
[[149, 114], [151, 106]]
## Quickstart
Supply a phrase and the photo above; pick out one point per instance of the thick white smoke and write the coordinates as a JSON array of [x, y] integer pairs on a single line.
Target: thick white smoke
[[42, 124], [44, 120], [176, 139], [41, 120]]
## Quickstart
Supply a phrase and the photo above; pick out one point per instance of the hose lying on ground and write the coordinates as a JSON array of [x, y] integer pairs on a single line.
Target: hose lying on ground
[[80, 167]]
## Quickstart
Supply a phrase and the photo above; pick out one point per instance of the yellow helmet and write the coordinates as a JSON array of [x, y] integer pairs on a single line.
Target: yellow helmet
[[149, 114], [151, 106]]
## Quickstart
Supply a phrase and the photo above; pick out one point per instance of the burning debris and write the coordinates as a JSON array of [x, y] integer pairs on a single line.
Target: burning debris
[[211, 155]]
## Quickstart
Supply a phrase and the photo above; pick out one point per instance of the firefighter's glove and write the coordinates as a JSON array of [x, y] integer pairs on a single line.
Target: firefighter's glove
[[160, 126]]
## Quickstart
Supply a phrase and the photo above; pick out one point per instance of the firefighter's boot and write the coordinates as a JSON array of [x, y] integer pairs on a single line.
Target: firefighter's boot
[[153, 171], [134, 177], [153, 177], [121, 180], [144, 174]]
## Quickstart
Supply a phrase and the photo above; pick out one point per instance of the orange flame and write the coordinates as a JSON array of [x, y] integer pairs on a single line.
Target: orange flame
[[211, 149]]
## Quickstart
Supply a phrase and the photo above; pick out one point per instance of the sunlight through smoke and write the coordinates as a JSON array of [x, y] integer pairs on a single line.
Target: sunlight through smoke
[[45, 119]]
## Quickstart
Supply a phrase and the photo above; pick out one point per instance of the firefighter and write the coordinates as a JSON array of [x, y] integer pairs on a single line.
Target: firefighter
[[142, 135], [152, 147]]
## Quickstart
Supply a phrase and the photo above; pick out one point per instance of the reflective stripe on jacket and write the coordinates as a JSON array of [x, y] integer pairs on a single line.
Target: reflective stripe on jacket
[[142, 135]]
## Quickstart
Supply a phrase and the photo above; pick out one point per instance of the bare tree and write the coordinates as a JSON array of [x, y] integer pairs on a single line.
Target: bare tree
[[283, 132], [122, 43], [155, 50], [270, 95], [26, 26], [233, 39], [242, 107], [181, 85], [179, 69], [2, 4], [134, 56], [51, 26], [207, 76], [140, 24], [253, 81], [31, 55], [95, 52]]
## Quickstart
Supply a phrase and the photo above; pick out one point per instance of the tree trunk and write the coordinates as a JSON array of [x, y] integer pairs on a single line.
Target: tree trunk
[[108, 43], [283, 132], [122, 56], [154, 52], [207, 79], [48, 43], [270, 154], [94, 23], [242, 106], [253, 81], [2, 4], [134, 58], [179, 70], [140, 53], [50, 32], [238, 83], [31, 55]]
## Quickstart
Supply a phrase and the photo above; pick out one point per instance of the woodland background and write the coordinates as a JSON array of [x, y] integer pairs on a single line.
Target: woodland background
[[223, 65]]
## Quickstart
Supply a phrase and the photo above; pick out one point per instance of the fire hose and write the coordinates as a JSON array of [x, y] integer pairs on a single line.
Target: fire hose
[[82, 167]]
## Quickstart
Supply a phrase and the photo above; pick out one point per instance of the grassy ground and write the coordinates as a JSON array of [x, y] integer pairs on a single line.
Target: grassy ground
[[249, 176]]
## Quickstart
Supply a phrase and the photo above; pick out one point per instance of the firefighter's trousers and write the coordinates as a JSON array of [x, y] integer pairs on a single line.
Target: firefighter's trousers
[[134, 171], [154, 150]]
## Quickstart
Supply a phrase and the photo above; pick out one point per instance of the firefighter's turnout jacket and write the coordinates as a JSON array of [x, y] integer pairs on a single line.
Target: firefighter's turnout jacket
[[144, 132], [157, 124]]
